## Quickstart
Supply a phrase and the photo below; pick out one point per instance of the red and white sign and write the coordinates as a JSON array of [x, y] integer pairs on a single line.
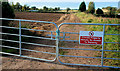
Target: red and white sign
[[91, 37]]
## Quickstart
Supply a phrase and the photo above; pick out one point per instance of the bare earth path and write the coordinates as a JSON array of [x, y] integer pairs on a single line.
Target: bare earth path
[[11, 62]]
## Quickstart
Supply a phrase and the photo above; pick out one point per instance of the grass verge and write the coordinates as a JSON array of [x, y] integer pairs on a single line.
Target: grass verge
[[89, 18]]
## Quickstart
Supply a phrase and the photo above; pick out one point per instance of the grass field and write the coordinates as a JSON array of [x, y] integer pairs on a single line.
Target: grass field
[[89, 18]]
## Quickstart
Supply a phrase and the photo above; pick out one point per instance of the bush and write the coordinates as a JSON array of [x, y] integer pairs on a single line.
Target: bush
[[82, 7], [99, 11], [91, 8], [7, 12], [90, 20], [118, 10]]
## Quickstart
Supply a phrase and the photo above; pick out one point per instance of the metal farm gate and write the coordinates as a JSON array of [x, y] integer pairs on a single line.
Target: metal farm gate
[[85, 41], [21, 34], [71, 44]]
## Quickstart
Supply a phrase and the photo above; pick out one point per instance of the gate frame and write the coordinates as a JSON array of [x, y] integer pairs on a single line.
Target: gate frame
[[102, 57]]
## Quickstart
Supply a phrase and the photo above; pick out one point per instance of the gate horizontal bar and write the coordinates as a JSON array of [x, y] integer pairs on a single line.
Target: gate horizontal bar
[[70, 40], [37, 37], [9, 40], [89, 57], [87, 65], [38, 44], [9, 27], [28, 57], [36, 30], [69, 32], [59, 36], [112, 58], [29, 21], [26, 49], [80, 49], [27, 36], [26, 29], [9, 34], [78, 56], [113, 42], [89, 49], [28, 43], [112, 34], [39, 51], [9, 47], [88, 24]]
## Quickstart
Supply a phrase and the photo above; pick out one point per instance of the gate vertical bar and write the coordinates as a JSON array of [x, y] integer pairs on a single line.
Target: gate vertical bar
[[57, 43], [63, 35], [103, 46], [20, 37], [51, 35]]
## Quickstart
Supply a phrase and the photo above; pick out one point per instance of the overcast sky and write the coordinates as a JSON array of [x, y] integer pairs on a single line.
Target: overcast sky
[[24, 1]]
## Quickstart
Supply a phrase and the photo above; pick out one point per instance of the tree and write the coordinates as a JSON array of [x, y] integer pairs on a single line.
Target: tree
[[56, 8], [13, 5], [33, 8], [91, 8], [82, 7], [7, 12], [25, 7], [50, 9], [18, 6], [28, 8], [45, 8], [99, 11], [112, 11], [68, 9]]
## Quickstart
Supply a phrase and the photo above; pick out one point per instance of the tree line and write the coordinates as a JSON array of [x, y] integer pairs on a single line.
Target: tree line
[[99, 12], [19, 7]]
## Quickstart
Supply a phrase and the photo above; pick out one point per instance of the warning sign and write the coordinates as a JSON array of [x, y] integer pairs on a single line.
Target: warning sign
[[91, 37]]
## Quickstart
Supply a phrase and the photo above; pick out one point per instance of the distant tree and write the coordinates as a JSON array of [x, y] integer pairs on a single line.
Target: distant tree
[[45, 8], [33, 8], [99, 11], [91, 8], [13, 5], [112, 11], [58, 8], [28, 8], [18, 6], [25, 7], [50, 9], [7, 11], [68, 9], [82, 7]]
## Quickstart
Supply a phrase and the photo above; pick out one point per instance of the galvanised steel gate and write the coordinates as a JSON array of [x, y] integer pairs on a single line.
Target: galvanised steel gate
[[21, 35], [66, 41], [98, 60]]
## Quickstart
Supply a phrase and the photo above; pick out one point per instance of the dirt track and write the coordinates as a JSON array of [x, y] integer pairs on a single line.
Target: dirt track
[[11, 62]]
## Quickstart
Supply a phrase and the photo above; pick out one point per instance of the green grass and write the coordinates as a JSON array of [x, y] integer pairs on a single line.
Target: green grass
[[89, 18]]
